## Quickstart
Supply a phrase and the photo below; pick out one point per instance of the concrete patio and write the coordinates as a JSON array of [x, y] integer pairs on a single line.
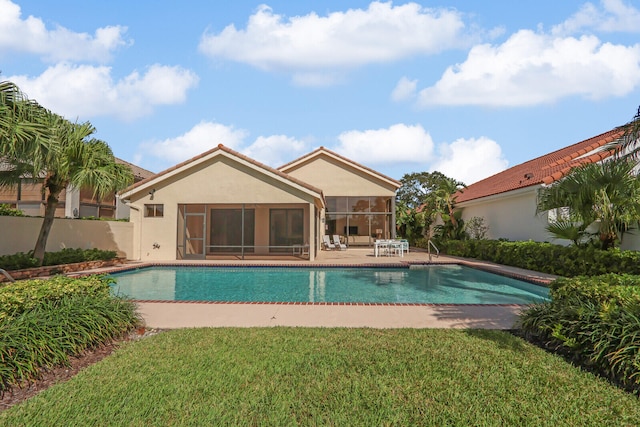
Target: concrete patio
[[194, 314]]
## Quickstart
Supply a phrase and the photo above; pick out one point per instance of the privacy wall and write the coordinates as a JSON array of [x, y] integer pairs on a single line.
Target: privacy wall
[[19, 234]]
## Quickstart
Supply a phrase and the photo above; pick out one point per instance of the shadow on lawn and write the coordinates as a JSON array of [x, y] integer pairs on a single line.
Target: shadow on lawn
[[503, 340]]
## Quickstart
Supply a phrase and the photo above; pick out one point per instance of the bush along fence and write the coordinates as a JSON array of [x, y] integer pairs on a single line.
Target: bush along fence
[[567, 261], [90, 258], [594, 321], [44, 322]]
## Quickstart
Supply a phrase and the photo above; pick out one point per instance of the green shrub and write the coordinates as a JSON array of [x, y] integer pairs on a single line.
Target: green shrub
[[17, 261], [95, 218], [24, 295], [55, 329], [69, 256], [23, 260], [568, 261], [595, 321], [6, 210]]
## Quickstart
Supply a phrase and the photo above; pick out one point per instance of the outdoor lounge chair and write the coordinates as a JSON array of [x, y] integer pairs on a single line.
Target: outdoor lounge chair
[[338, 245], [327, 243]]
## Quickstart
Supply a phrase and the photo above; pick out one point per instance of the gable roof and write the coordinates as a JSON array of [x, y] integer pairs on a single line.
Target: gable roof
[[542, 170], [322, 150], [221, 150]]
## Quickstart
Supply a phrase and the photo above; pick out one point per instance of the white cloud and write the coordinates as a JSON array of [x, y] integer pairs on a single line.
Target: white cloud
[[273, 150], [399, 143], [202, 137], [470, 160], [317, 44], [276, 150], [612, 16], [88, 91], [404, 90], [532, 68], [59, 44]]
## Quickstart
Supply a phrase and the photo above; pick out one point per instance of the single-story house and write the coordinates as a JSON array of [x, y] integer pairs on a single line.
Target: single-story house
[[223, 203], [507, 200]]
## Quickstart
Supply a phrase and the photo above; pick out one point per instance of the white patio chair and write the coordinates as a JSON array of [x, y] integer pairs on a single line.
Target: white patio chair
[[327, 243], [336, 242]]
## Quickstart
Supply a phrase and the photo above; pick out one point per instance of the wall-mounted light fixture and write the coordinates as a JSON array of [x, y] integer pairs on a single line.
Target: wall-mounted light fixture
[[151, 193]]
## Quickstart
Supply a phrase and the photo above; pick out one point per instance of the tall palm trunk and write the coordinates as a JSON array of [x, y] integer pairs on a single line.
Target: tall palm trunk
[[47, 223]]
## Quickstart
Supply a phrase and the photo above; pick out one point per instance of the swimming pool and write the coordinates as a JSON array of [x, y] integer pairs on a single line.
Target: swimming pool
[[442, 284]]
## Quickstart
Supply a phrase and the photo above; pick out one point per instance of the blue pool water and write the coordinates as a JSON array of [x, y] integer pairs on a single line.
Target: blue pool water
[[450, 284]]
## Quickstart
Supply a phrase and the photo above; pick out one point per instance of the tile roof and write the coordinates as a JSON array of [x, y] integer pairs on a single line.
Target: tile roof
[[321, 150], [542, 170], [138, 173], [234, 153]]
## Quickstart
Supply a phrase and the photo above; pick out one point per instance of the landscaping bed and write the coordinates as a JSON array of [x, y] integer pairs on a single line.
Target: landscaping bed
[[45, 323], [52, 270]]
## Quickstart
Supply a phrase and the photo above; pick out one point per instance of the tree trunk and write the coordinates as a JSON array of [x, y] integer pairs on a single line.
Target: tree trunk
[[49, 214], [453, 219]]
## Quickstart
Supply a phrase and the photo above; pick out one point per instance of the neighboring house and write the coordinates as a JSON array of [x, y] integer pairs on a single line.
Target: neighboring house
[[223, 203], [29, 198], [507, 201]]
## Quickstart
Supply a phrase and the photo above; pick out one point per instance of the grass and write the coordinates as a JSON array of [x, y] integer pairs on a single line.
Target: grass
[[307, 376]]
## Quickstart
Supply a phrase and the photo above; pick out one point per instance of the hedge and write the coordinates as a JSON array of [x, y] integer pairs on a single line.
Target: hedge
[[23, 260], [567, 261]]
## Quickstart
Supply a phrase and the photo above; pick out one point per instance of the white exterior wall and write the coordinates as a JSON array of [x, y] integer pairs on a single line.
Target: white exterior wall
[[72, 203], [511, 216], [19, 234]]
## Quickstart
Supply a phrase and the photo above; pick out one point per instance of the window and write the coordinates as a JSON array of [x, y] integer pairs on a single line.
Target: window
[[559, 214], [153, 210]]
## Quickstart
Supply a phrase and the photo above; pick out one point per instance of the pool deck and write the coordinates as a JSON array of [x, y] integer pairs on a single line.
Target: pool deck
[[170, 315]]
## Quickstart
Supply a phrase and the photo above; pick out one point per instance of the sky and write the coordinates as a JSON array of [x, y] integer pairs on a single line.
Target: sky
[[467, 88]]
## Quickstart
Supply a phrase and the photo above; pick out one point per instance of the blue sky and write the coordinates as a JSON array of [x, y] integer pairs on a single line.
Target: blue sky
[[464, 87]]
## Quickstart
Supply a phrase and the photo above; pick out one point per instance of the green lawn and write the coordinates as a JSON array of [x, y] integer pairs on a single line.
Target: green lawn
[[343, 377]]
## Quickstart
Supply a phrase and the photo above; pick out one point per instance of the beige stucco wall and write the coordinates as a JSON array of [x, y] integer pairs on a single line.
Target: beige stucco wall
[[337, 179], [218, 181], [19, 234], [511, 216]]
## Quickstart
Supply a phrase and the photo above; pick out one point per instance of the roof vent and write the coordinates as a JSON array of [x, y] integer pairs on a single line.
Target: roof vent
[[528, 175]]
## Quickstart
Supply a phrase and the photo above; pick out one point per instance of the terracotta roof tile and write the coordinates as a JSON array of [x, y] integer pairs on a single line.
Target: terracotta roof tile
[[138, 173], [542, 170]]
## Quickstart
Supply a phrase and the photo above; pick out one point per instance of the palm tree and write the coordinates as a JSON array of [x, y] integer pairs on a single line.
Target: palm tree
[[38, 144], [607, 194], [445, 200], [22, 129], [410, 222], [628, 145]]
